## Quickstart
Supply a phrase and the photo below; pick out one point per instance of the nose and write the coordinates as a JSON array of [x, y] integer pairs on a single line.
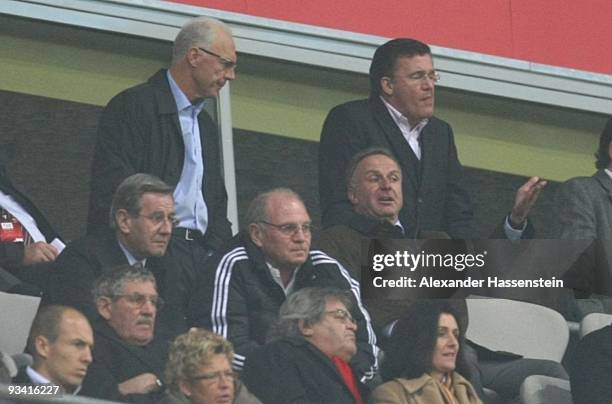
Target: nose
[[453, 341], [300, 235], [351, 325], [428, 82], [230, 74], [166, 227], [87, 358], [148, 308], [385, 183], [225, 381]]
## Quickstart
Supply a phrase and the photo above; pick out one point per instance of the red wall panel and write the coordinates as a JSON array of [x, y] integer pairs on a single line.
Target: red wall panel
[[573, 34]]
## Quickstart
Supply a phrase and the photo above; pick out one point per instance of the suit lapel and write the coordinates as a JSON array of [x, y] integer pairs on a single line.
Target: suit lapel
[[428, 152], [109, 252], [602, 177], [165, 100]]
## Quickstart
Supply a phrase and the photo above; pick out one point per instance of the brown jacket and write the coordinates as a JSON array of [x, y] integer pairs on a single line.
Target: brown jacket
[[422, 390]]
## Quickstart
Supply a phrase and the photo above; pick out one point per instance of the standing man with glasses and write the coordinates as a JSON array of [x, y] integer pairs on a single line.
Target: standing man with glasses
[[160, 128], [126, 365], [141, 222], [398, 116], [252, 278]]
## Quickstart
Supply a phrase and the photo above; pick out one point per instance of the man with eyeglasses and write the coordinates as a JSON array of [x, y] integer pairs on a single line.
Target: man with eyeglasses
[[398, 116], [307, 359], [126, 365], [141, 222], [253, 276], [161, 127]]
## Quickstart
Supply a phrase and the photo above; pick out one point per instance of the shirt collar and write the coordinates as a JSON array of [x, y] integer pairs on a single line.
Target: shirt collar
[[608, 172], [401, 120], [276, 275], [130, 257], [181, 100], [399, 224], [37, 378]]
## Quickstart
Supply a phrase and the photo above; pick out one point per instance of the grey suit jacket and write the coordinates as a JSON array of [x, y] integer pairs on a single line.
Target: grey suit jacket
[[584, 209]]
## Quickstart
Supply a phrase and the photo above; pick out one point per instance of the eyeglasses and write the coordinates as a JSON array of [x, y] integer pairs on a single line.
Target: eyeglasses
[[289, 229], [217, 377], [422, 75], [158, 218], [138, 300], [227, 63], [342, 315]]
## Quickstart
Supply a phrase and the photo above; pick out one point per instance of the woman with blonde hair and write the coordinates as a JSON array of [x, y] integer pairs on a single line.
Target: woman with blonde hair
[[199, 371]]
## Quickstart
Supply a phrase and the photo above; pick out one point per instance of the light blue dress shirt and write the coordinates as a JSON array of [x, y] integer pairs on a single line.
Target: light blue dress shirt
[[191, 210]]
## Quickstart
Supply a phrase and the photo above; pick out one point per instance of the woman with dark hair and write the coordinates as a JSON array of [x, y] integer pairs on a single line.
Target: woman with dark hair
[[423, 359]]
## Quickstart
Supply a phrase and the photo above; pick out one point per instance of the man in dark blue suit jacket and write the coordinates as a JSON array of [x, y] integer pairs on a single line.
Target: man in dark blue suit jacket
[[143, 217], [398, 116]]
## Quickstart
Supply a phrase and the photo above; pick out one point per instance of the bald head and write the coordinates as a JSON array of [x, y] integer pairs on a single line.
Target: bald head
[[279, 225]]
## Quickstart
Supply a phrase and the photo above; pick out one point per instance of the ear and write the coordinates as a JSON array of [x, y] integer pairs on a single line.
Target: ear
[[350, 193], [386, 85], [305, 328], [256, 234], [123, 220], [41, 344], [104, 306], [192, 57], [185, 388]]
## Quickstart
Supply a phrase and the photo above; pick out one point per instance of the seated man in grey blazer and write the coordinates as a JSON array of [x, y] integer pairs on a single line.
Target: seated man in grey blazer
[[584, 207], [584, 213]]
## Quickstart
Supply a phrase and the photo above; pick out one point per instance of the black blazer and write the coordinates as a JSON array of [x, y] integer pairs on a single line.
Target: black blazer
[[85, 259], [292, 370], [434, 195], [139, 132], [115, 361]]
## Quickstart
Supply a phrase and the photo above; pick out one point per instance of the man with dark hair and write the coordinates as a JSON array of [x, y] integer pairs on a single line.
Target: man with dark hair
[[239, 299], [584, 214], [141, 223], [307, 361], [126, 365], [161, 128], [60, 343], [584, 205], [398, 116]]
